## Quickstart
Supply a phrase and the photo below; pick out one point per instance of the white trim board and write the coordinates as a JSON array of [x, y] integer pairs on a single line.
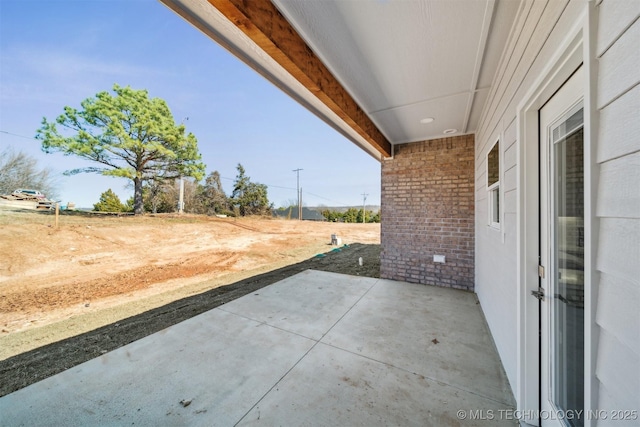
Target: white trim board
[[567, 58]]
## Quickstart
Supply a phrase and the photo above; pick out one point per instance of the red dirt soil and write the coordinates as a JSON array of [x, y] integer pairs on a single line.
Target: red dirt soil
[[91, 263]]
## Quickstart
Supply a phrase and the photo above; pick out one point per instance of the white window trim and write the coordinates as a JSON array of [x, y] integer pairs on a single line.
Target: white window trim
[[492, 188]]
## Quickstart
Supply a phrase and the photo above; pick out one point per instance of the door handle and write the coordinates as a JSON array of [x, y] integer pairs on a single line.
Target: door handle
[[538, 294]]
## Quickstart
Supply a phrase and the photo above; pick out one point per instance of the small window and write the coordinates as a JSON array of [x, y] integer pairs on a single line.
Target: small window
[[494, 209], [493, 184]]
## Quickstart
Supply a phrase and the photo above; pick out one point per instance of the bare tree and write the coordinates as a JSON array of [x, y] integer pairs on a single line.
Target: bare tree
[[193, 203], [154, 194], [169, 193], [19, 170], [215, 199]]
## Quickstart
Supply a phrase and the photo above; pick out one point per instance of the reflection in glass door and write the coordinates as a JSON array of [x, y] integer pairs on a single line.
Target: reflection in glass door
[[567, 264]]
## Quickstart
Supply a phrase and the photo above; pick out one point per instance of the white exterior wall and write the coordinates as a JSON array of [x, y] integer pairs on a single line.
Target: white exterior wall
[[539, 28], [618, 207]]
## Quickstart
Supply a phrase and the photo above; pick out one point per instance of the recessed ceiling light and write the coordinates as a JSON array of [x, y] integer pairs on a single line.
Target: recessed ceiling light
[[427, 120], [448, 131]]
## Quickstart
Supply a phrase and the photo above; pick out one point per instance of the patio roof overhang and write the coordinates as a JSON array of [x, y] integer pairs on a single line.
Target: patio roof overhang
[[379, 72]]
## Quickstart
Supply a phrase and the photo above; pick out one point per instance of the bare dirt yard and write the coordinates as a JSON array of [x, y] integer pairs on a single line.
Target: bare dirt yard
[[95, 283]]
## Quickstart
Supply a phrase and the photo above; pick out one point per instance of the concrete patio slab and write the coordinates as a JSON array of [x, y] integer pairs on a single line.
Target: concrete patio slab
[[314, 349], [333, 387], [439, 333], [308, 303], [219, 362]]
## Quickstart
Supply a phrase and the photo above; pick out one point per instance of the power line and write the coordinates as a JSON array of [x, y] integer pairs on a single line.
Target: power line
[[337, 202], [330, 200], [277, 186], [19, 136], [268, 185]]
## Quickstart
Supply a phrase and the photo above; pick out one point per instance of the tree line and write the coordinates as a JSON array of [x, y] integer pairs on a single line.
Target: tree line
[[350, 215], [208, 197], [19, 170]]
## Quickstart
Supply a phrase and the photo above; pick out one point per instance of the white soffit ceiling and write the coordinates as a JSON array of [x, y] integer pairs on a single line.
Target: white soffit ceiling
[[212, 23], [407, 60]]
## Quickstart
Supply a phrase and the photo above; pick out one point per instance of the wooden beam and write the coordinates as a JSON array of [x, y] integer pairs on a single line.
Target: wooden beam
[[261, 21]]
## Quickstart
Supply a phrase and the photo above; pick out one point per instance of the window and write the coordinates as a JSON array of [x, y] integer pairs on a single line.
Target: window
[[493, 184]]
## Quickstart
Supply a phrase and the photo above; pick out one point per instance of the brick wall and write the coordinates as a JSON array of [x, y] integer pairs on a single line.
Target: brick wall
[[427, 210]]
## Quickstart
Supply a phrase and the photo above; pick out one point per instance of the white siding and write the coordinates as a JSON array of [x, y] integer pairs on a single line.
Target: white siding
[[619, 66], [545, 27], [617, 305], [619, 251], [539, 29], [620, 188], [620, 127], [620, 386], [618, 207], [619, 344], [614, 20]]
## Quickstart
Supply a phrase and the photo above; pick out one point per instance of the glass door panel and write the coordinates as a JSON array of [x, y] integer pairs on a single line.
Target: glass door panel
[[567, 263]]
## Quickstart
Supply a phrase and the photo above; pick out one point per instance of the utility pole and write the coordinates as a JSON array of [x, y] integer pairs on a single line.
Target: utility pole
[[297, 171], [181, 196], [364, 213], [181, 193]]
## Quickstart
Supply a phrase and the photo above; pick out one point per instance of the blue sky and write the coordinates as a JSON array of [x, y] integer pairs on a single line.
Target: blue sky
[[55, 53]]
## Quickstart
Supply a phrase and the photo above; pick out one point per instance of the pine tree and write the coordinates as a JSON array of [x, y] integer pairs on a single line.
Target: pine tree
[[109, 202]]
